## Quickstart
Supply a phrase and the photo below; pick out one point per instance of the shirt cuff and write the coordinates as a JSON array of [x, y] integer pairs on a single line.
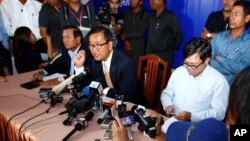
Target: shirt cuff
[[78, 70], [105, 91], [167, 123]]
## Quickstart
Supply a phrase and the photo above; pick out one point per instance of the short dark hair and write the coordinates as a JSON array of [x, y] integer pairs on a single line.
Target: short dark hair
[[245, 5], [239, 97], [76, 31], [198, 45], [107, 33], [246, 9]]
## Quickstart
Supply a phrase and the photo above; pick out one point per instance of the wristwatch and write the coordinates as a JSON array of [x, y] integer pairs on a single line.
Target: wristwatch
[[209, 36]]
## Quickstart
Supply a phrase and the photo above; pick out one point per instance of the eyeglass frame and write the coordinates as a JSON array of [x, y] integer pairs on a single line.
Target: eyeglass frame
[[193, 66], [97, 46], [236, 14]]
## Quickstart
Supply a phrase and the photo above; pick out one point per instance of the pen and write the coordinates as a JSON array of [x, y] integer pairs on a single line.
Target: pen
[[236, 50]]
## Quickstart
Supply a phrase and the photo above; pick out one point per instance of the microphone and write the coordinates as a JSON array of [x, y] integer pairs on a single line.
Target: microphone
[[133, 110], [72, 79], [60, 87], [76, 107], [96, 86], [102, 116], [78, 77], [81, 124]]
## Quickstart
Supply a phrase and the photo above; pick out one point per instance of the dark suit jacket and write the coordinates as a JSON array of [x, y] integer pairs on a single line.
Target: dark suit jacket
[[62, 64], [123, 76], [29, 61]]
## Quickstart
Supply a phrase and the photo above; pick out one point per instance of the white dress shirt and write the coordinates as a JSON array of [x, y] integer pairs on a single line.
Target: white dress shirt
[[204, 96], [15, 15]]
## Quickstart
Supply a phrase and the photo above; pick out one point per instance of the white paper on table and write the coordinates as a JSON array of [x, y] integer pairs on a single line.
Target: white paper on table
[[53, 76]]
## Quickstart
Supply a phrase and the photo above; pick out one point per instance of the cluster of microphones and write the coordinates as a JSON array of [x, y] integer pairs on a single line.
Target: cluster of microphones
[[128, 118], [85, 101]]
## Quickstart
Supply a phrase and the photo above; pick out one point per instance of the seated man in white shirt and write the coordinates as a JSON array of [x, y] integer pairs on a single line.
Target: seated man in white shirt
[[208, 129], [196, 91]]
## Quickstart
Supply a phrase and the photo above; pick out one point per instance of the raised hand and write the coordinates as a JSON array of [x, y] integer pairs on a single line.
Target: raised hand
[[80, 58]]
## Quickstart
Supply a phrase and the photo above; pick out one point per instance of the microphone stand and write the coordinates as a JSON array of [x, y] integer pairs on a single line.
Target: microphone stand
[[73, 89], [54, 100]]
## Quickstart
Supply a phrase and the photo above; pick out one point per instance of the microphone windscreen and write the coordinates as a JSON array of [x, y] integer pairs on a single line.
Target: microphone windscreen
[[134, 108], [86, 90], [89, 116], [78, 126], [58, 89], [82, 105]]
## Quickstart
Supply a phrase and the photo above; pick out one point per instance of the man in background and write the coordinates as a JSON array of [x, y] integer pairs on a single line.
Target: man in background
[[165, 34], [218, 21], [110, 17], [231, 49], [134, 29], [64, 63]]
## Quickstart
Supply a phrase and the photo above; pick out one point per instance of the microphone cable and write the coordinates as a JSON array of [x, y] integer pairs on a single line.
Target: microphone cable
[[19, 95], [20, 128], [8, 121], [23, 112]]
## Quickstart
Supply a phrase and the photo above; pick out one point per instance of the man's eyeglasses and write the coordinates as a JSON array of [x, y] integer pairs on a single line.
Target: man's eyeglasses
[[236, 14], [97, 46], [192, 66]]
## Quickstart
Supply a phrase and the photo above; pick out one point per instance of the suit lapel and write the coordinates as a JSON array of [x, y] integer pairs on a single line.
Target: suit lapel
[[67, 62]]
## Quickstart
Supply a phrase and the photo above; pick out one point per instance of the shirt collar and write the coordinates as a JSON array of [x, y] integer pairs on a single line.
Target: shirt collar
[[241, 37], [201, 74], [73, 53]]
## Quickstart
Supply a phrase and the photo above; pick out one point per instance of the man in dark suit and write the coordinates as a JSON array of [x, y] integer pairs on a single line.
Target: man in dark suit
[[64, 62], [117, 70]]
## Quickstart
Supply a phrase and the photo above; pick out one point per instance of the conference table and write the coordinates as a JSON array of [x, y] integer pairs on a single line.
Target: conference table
[[47, 126]]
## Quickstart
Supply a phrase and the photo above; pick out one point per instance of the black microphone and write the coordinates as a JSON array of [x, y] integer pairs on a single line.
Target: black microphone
[[102, 116], [78, 77], [133, 110], [81, 124], [79, 106]]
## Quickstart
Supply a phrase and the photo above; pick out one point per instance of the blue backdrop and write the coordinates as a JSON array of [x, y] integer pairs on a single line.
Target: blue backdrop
[[192, 15]]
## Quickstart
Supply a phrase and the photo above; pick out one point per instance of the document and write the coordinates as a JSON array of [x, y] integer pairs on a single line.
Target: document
[[53, 76]]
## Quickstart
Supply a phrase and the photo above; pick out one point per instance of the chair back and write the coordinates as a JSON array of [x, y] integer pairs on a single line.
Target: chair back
[[148, 71]]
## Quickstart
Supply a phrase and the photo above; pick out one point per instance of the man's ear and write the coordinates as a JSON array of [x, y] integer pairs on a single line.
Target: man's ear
[[247, 19], [110, 44], [207, 60], [78, 38]]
